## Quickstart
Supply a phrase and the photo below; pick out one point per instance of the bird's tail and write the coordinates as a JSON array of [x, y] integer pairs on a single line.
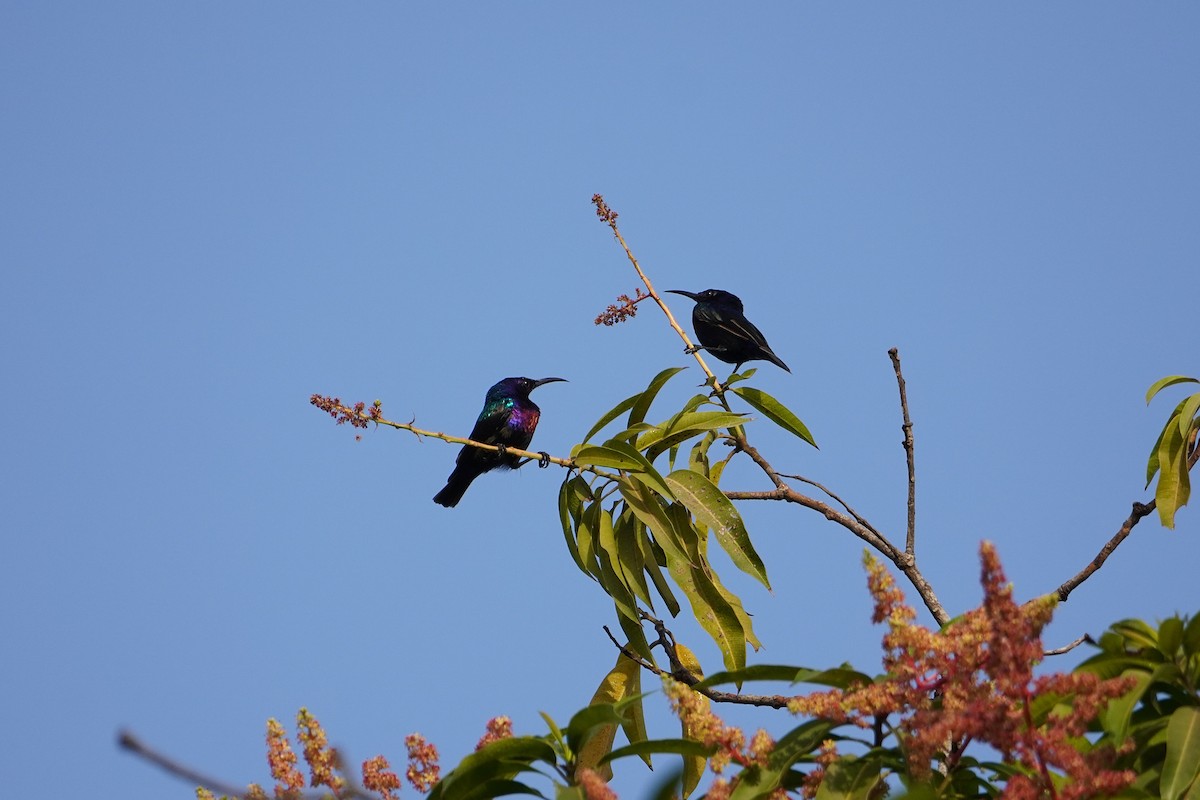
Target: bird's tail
[[455, 488]]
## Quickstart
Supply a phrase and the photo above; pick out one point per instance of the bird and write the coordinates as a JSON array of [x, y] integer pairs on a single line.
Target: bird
[[724, 331], [508, 419]]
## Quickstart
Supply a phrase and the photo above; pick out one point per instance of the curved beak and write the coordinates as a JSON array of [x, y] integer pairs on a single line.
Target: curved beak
[[692, 295], [547, 380]]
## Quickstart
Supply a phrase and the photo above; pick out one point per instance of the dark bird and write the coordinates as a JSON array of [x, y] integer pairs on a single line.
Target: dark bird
[[724, 331], [508, 419]]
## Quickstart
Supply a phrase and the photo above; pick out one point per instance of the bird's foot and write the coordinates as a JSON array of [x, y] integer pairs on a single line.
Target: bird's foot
[[501, 452], [543, 459], [696, 348]]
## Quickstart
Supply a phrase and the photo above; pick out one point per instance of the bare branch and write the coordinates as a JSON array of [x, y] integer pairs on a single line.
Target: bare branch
[[1140, 510], [910, 545], [905, 562], [837, 499], [1066, 648], [127, 741]]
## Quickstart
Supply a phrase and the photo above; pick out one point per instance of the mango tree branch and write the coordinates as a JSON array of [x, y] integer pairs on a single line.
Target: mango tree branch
[[910, 545], [1139, 511], [127, 741], [903, 561], [359, 416], [609, 217]]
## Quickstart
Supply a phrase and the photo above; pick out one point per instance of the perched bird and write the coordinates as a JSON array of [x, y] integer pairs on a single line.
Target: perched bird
[[508, 419], [724, 331]]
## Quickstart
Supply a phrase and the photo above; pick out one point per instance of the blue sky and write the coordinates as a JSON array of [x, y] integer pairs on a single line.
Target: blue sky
[[209, 211]]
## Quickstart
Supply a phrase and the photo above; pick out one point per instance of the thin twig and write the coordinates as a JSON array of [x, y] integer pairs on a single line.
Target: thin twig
[[127, 741], [609, 217], [1066, 648], [1139, 511], [862, 521], [360, 418], [910, 544]]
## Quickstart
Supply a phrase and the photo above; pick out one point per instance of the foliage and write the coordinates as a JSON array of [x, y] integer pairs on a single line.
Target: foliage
[[1169, 456]]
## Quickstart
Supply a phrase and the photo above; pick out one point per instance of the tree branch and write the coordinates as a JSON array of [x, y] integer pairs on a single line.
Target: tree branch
[[609, 217], [904, 561], [911, 541], [359, 417], [1066, 648], [1139, 511], [127, 741]]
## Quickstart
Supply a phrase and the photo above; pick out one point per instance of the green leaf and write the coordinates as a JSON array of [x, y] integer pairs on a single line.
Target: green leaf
[[698, 457], [570, 505], [850, 778], [1191, 636], [1183, 752], [1174, 486], [649, 509], [642, 405], [775, 411], [586, 534], [679, 747], [682, 427], [1152, 464], [591, 455], [629, 555], [645, 472], [839, 677], [636, 637], [712, 508], [714, 613], [588, 721], [1137, 634], [617, 411], [760, 782], [612, 576], [1170, 636], [500, 787], [1163, 383], [1115, 716], [650, 564], [1187, 415], [500, 760]]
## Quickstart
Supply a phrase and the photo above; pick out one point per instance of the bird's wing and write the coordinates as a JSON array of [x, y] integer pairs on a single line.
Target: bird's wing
[[732, 323]]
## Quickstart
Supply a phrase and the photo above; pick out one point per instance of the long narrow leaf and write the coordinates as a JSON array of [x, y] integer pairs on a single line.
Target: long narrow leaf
[[713, 509], [616, 411], [680, 747], [646, 472], [1187, 414], [775, 411], [1163, 383], [592, 455], [1174, 486], [1182, 765], [642, 405]]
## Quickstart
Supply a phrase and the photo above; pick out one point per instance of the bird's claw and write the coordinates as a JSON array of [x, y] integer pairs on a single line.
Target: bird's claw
[[501, 451], [543, 459], [693, 349]]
